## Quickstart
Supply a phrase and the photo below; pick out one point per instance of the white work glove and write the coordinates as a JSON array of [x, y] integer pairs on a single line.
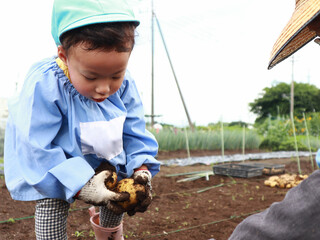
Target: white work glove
[[143, 177], [96, 193]]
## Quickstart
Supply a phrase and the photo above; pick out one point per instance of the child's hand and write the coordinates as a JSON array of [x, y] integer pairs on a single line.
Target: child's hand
[[95, 191], [143, 177]]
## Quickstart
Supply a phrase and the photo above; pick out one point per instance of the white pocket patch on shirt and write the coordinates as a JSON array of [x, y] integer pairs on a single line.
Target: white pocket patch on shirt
[[103, 138]]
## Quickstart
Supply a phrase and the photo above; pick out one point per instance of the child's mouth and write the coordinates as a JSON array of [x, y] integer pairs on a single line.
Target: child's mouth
[[98, 99]]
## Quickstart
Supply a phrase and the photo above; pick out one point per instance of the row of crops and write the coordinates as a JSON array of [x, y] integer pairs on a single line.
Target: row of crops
[[274, 134], [171, 139], [235, 139]]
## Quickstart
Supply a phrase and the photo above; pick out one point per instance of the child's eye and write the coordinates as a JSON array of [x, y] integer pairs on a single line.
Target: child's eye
[[91, 79], [116, 78]]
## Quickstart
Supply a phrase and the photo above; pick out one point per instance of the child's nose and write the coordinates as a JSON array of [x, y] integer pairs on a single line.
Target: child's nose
[[103, 89]]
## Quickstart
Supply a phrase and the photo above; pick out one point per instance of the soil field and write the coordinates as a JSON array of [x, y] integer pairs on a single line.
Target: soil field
[[178, 210]]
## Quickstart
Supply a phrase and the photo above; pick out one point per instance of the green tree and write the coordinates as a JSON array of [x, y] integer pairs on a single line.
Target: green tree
[[275, 101]]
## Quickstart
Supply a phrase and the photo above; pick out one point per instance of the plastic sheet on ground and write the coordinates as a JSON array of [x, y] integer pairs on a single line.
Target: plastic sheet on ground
[[207, 160]]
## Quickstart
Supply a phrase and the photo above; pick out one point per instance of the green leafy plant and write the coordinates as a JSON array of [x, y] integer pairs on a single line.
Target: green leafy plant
[[78, 234], [278, 135], [91, 233], [11, 220]]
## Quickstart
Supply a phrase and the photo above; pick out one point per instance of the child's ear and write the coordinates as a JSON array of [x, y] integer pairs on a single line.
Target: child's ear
[[62, 54]]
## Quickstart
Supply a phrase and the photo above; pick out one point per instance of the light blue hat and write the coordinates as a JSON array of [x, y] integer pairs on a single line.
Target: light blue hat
[[70, 14]]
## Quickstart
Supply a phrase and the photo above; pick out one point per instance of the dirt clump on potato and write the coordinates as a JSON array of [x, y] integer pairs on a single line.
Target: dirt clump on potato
[[111, 181], [128, 185]]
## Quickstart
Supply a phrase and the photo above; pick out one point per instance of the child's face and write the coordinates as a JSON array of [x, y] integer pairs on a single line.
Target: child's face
[[95, 74]]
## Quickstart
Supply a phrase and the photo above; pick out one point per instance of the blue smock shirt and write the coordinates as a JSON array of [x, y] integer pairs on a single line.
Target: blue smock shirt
[[318, 157], [55, 137]]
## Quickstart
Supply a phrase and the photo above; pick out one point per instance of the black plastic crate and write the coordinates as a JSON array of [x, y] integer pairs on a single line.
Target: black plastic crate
[[269, 168], [237, 170]]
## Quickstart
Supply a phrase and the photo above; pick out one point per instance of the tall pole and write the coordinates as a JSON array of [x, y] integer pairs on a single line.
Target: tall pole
[[292, 88], [174, 74], [152, 64], [292, 116]]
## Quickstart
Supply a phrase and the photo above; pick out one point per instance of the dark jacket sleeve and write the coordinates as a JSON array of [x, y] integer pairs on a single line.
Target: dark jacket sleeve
[[296, 217]]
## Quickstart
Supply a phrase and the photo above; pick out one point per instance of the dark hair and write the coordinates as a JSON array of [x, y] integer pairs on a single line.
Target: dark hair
[[118, 36]]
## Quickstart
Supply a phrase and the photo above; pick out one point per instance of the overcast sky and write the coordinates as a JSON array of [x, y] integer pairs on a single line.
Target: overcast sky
[[219, 49]]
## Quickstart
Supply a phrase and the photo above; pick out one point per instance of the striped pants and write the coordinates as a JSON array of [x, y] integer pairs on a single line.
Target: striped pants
[[51, 219]]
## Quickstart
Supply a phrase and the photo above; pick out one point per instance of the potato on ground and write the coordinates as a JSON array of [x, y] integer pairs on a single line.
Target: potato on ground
[[285, 180]]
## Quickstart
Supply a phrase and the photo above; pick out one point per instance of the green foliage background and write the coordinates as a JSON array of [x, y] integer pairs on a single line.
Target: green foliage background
[[277, 133], [275, 101], [206, 138], [273, 134]]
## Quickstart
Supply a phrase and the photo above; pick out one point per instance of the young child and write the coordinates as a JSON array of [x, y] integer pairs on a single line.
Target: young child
[[298, 215], [77, 111]]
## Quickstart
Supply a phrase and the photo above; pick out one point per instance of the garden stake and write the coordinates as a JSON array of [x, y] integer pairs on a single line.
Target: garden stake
[[295, 142], [222, 141], [187, 142], [243, 141], [309, 146]]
